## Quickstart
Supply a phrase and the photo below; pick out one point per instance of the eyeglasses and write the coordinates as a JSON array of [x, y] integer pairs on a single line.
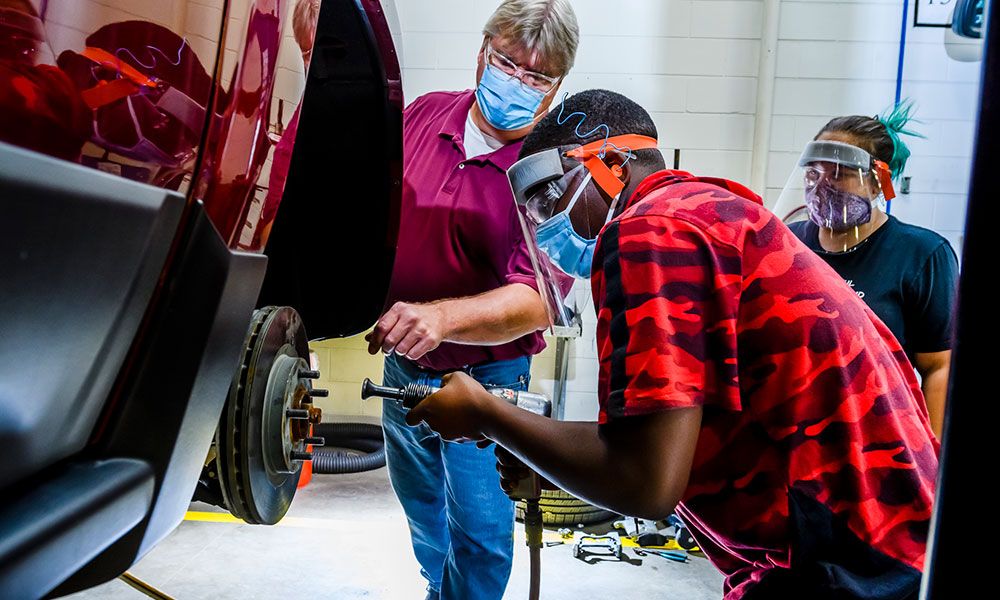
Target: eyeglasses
[[541, 204], [815, 173], [531, 79]]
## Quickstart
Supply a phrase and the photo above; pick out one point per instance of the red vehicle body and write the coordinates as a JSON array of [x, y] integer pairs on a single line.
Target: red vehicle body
[[141, 226], [162, 105]]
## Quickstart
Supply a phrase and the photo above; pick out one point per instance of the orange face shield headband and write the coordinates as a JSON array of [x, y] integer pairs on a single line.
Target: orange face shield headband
[[130, 79], [884, 175], [609, 178]]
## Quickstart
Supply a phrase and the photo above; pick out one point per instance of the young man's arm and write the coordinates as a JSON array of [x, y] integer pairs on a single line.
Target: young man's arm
[[634, 465], [667, 305], [495, 317]]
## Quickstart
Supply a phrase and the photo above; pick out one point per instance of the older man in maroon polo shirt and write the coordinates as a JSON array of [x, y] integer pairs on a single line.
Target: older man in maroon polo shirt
[[463, 293]]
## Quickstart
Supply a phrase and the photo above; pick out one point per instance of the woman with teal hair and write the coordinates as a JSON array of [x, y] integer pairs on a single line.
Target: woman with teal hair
[[906, 274]]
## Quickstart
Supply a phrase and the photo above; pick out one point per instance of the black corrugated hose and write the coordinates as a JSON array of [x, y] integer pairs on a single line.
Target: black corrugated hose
[[332, 459]]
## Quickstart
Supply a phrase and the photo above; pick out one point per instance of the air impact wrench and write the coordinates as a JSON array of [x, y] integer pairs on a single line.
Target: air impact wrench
[[528, 489]]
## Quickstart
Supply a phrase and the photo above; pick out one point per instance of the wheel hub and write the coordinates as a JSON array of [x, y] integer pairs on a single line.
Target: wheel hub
[[288, 415], [266, 425]]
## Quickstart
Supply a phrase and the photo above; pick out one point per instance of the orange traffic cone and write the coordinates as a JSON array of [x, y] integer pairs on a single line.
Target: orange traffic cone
[[307, 471]]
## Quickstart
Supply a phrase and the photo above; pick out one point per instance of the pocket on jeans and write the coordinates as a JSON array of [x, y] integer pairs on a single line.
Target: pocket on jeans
[[521, 383]]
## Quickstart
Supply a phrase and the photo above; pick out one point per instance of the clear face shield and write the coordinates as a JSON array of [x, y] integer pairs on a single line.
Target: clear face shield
[[540, 184], [562, 212], [836, 186]]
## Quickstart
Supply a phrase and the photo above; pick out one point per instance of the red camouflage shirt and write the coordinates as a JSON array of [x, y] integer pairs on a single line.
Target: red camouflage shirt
[[815, 466]]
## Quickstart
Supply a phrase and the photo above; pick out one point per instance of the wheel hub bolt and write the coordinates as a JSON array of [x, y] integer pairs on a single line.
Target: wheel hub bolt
[[297, 413]]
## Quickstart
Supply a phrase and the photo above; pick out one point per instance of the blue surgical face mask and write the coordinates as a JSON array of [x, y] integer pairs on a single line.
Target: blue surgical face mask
[[504, 102], [566, 248]]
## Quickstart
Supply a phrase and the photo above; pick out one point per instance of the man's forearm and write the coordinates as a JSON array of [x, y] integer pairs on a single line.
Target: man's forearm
[[495, 317], [632, 468]]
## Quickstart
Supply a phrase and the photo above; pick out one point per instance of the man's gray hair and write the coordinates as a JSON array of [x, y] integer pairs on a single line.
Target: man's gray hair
[[547, 27], [305, 16]]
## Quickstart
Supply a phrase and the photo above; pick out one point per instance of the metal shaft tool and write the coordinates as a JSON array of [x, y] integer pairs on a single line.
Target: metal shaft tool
[[413, 393], [528, 488]]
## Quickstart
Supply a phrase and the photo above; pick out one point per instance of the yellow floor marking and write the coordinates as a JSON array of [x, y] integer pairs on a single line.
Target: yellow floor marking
[[298, 522], [210, 517]]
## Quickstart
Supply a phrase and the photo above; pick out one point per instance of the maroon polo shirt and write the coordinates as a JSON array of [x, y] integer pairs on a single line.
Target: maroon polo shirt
[[459, 234]]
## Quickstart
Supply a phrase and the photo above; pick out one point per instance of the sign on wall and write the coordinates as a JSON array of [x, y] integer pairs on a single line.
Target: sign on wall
[[933, 13]]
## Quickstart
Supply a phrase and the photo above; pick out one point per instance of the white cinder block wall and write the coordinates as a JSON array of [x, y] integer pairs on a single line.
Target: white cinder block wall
[[69, 22], [947, 93], [694, 66]]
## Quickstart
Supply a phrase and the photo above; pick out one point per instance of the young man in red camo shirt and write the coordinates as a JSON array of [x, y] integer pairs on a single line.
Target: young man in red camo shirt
[[741, 382]]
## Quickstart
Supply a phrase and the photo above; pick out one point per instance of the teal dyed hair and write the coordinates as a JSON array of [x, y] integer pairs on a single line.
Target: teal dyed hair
[[895, 122], [881, 135]]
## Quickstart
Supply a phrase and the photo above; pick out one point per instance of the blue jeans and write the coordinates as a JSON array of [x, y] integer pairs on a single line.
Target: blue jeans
[[461, 523]]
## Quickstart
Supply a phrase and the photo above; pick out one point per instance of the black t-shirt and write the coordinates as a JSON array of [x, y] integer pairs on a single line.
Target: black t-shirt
[[906, 274]]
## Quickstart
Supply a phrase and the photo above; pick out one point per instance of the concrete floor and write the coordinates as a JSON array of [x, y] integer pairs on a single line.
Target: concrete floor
[[345, 537]]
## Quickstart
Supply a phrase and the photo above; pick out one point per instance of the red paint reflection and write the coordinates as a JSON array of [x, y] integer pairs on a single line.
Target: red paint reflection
[[151, 102], [40, 108], [148, 92], [238, 144]]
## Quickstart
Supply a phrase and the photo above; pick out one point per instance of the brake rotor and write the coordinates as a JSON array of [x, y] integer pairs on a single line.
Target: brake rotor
[[266, 424]]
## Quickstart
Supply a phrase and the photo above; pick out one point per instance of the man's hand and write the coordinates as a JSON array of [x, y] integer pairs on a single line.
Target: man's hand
[[512, 470], [457, 412], [411, 330]]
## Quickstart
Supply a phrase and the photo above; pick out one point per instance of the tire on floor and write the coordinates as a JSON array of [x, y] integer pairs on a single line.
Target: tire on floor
[[562, 509]]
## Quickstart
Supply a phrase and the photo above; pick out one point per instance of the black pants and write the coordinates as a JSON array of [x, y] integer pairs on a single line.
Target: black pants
[[829, 562]]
